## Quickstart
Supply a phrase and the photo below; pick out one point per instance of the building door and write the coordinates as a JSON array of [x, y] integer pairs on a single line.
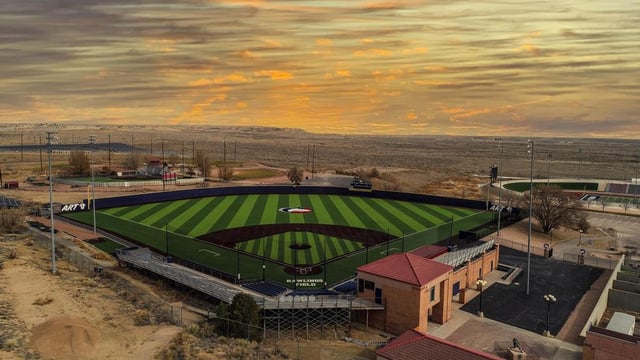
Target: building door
[[456, 288]]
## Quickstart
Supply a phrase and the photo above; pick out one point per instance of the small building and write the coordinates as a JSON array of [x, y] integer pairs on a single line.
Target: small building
[[415, 290], [415, 345], [11, 185], [411, 288]]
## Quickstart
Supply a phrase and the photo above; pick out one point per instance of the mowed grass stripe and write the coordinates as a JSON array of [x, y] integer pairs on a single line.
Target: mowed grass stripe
[[140, 217], [417, 212], [255, 214], [270, 210], [137, 210], [179, 221], [333, 211], [241, 215], [384, 219], [395, 216], [225, 213], [117, 211], [372, 219], [294, 201], [320, 211], [351, 214], [202, 217], [413, 214], [312, 217], [169, 212]]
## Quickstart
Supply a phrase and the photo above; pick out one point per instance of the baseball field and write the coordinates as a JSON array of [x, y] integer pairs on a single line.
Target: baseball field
[[297, 240]]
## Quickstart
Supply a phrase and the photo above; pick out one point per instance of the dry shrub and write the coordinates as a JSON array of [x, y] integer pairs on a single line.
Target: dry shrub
[[141, 317], [11, 221], [183, 346], [43, 301]]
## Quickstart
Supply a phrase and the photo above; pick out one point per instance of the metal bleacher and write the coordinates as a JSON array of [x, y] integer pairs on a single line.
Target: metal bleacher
[[9, 203], [144, 259], [266, 287], [461, 256]]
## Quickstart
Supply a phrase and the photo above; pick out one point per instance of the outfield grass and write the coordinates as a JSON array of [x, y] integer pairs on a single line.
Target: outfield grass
[[525, 185], [173, 227]]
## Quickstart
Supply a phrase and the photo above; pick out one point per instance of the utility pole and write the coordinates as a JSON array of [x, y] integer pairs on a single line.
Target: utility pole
[[51, 139], [92, 142], [530, 146]]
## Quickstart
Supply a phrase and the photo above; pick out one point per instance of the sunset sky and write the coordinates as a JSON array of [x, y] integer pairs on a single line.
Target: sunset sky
[[499, 67]]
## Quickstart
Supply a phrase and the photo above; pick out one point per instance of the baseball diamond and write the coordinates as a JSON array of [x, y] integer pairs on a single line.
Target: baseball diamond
[[271, 236]]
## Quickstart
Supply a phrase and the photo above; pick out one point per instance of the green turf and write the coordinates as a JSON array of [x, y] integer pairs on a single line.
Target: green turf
[[523, 186], [173, 226]]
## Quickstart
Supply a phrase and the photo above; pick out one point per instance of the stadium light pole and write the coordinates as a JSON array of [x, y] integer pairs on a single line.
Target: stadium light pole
[[92, 142], [530, 144], [501, 147], [51, 139]]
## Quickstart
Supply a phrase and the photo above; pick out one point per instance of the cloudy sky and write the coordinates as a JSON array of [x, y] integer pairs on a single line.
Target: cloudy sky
[[481, 67]]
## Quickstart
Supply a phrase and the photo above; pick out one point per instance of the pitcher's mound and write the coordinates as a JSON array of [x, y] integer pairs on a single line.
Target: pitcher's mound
[[66, 337]]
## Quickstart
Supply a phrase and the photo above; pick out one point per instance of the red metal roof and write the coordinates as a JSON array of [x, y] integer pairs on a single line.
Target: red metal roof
[[408, 268], [415, 345], [430, 251]]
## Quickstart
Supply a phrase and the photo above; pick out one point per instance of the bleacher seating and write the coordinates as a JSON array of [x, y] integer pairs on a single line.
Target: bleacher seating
[[266, 287], [347, 287], [318, 292]]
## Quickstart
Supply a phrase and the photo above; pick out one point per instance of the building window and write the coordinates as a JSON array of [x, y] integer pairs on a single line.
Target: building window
[[480, 273], [433, 294], [378, 296], [360, 285], [369, 285]]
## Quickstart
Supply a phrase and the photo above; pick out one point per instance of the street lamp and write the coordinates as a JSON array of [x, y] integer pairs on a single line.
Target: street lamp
[[580, 237], [51, 139], [550, 299], [481, 284], [92, 141], [530, 146]]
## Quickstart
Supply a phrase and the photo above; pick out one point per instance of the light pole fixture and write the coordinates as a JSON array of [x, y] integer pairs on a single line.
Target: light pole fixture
[[530, 144], [92, 142], [549, 299], [481, 284], [51, 139], [501, 147]]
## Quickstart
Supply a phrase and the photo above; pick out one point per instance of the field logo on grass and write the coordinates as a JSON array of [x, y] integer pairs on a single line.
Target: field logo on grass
[[295, 210]]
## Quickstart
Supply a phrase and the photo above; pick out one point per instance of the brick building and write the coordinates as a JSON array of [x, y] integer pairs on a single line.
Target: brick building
[[415, 290]]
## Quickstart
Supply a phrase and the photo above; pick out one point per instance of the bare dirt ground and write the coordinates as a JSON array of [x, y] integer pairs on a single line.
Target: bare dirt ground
[[74, 316]]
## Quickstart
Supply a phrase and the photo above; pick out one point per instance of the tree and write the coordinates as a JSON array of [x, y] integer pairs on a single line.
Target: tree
[[241, 319], [133, 161], [202, 162], [79, 161], [225, 173], [553, 208], [295, 175]]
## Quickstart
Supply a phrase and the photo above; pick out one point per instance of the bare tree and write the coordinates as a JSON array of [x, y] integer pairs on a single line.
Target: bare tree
[[79, 161], [225, 173], [133, 161], [552, 207], [202, 162], [295, 175]]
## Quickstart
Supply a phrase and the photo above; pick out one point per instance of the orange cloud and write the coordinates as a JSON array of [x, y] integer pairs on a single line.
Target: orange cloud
[[231, 78], [373, 52], [274, 74]]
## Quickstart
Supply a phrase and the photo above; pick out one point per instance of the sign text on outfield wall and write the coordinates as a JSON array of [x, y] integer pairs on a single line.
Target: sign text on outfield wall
[[73, 207]]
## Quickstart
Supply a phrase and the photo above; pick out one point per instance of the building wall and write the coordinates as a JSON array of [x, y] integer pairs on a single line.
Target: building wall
[[406, 306], [468, 275], [600, 346]]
